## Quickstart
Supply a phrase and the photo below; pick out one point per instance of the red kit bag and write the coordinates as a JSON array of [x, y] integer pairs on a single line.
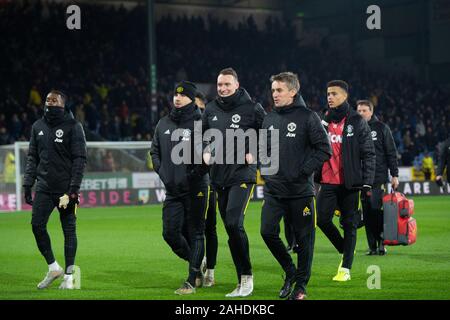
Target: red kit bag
[[399, 227]]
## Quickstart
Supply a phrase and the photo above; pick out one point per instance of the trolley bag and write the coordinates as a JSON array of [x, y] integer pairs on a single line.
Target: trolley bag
[[399, 227]]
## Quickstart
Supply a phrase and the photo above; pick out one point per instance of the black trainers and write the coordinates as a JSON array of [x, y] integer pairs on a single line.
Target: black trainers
[[297, 294], [371, 252], [288, 285], [382, 250]]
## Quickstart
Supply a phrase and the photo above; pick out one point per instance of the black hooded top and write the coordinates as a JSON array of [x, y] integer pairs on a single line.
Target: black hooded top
[[56, 155], [237, 112], [303, 148]]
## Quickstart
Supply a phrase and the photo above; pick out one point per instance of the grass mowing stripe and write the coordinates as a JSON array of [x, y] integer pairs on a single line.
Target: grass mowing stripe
[[122, 255]]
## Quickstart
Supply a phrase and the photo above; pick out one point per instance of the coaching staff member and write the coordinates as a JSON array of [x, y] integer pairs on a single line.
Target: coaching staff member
[[350, 169], [56, 159], [444, 162], [233, 109], [186, 184], [386, 158], [303, 148], [211, 240]]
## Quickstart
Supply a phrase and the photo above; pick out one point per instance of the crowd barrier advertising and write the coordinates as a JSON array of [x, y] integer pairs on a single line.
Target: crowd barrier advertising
[[123, 189]]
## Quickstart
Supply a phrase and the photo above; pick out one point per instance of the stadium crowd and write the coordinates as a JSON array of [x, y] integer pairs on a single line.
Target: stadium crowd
[[104, 70]]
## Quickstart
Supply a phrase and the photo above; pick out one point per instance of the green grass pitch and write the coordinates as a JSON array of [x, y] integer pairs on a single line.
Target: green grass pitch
[[122, 255]]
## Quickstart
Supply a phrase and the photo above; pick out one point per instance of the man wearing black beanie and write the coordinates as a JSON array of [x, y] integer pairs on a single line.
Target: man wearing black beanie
[[350, 169], [186, 183]]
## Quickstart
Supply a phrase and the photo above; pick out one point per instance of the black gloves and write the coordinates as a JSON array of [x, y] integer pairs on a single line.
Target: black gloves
[[74, 196], [367, 190], [28, 196], [327, 118]]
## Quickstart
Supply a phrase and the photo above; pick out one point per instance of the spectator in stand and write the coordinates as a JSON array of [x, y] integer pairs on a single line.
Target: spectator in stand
[[427, 166], [115, 129], [126, 131], [5, 138], [109, 163], [94, 65]]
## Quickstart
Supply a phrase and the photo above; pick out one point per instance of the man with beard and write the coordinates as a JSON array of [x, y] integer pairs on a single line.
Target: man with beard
[[232, 111], [350, 169], [186, 184], [386, 158], [56, 159]]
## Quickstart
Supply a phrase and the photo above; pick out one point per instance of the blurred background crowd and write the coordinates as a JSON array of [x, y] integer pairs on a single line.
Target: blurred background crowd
[[104, 71]]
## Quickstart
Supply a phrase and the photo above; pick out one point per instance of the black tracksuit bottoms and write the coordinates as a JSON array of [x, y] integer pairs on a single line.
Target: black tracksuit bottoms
[[329, 198], [189, 211], [373, 216], [233, 202], [43, 205], [301, 216], [211, 231]]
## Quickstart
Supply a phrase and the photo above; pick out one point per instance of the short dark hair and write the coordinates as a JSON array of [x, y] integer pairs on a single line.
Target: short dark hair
[[60, 93], [338, 83], [366, 102], [230, 72], [290, 78], [201, 96]]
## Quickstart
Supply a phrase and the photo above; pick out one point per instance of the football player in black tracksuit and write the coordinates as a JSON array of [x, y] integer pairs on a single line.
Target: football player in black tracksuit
[[234, 182], [56, 159], [386, 157], [444, 162], [350, 169], [303, 146], [211, 242], [186, 183]]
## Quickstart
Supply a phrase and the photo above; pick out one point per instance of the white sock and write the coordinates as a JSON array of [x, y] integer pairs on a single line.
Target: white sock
[[345, 270], [210, 273], [68, 277], [54, 266]]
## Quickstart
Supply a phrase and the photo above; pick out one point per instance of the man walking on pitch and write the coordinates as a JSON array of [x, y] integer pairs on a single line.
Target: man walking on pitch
[[231, 111], [186, 184], [211, 242], [386, 157], [444, 163], [56, 159], [303, 147], [350, 169]]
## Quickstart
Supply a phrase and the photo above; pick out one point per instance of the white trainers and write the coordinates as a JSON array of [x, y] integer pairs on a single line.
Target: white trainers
[[203, 266], [67, 282], [246, 285], [49, 278], [200, 279], [235, 293], [208, 280]]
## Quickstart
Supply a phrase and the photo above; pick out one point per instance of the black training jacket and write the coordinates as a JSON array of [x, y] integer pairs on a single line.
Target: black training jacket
[[358, 153], [179, 179], [240, 113], [56, 155], [303, 148], [444, 159], [385, 150]]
